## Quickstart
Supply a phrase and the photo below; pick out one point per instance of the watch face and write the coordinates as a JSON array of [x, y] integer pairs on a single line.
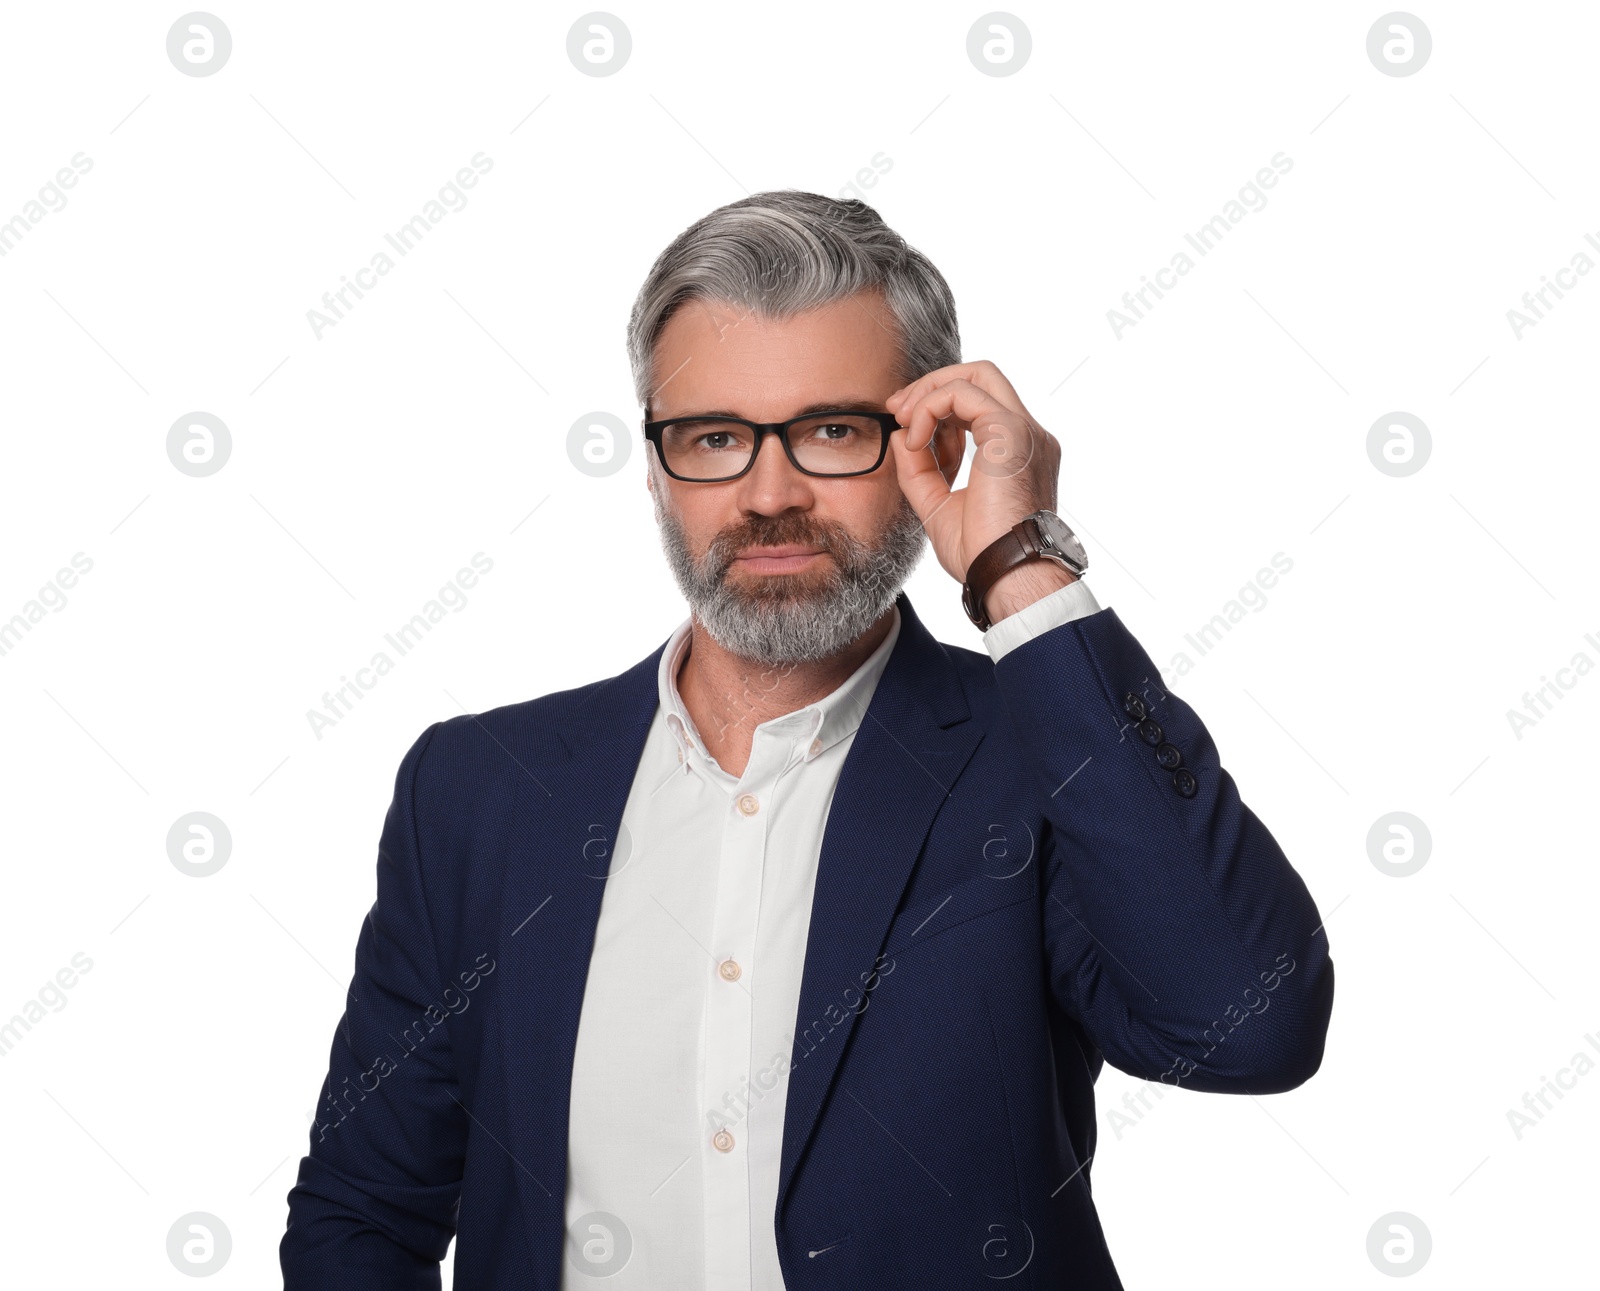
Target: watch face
[[1054, 533]]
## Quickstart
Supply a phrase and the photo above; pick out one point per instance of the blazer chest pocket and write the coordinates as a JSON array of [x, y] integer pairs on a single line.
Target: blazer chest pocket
[[970, 899]]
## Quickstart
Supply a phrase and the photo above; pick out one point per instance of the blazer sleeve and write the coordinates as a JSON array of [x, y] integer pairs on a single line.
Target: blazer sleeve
[[1177, 933], [375, 1203]]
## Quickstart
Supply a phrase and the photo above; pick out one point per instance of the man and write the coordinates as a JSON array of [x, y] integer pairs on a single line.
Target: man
[[789, 956]]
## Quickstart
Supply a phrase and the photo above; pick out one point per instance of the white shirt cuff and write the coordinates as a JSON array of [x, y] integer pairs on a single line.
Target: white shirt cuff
[[1074, 601]]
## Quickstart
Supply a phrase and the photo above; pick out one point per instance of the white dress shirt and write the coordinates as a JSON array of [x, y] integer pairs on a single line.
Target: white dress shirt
[[681, 1069]]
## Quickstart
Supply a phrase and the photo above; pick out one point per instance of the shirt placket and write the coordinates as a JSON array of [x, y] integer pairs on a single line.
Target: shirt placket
[[730, 1008]]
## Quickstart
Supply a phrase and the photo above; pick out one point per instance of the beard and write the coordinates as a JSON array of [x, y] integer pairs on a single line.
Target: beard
[[792, 618]]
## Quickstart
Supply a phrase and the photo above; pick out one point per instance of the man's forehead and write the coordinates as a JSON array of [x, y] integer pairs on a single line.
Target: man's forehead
[[715, 358]]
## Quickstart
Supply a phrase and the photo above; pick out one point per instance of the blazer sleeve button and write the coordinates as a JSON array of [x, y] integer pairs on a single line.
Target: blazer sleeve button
[[1184, 782], [1134, 707], [1168, 757], [1150, 732]]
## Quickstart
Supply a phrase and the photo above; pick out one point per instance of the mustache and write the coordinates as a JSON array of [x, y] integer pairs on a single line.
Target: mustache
[[727, 544]]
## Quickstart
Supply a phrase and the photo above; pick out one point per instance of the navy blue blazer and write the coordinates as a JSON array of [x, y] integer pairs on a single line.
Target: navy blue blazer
[[1012, 889]]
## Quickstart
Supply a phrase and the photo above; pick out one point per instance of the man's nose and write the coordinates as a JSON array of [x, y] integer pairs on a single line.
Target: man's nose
[[773, 484]]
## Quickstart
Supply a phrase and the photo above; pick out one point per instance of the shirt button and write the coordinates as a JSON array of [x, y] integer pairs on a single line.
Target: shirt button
[[680, 755], [722, 1141], [730, 970], [749, 804], [816, 747]]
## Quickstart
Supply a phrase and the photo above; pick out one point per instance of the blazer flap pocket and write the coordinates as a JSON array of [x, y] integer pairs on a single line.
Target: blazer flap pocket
[[966, 900]]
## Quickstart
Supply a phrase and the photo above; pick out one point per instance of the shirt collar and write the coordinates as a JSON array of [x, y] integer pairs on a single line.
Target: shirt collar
[[816, 728]]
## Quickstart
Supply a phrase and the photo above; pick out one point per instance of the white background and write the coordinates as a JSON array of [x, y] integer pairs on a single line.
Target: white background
[[431, 423]]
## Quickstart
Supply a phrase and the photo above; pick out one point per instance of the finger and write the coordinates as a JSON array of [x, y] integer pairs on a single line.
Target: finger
[[923, 484], [982, 373], [987, 417], [1004, 442], [949, 447]]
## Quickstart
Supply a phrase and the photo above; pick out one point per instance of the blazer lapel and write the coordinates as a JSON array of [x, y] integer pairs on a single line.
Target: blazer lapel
[[567, 823], [914, 741]]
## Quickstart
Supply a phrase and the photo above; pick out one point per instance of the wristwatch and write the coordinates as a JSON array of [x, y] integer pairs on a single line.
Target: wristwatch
[[1043, 534]]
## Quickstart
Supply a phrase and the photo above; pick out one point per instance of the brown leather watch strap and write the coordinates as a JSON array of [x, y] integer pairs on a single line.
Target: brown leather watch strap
[[1005, 552]]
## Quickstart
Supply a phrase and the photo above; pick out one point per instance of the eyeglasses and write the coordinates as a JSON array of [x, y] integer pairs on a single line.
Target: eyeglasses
[[706, 450]]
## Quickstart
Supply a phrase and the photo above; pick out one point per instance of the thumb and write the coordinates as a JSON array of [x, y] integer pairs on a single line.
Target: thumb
[[925, 488]]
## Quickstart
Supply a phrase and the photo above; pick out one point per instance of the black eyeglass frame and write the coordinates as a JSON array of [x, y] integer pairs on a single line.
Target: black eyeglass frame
[[653, 431]]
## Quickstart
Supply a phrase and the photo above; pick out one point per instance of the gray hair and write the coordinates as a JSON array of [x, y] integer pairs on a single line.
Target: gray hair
[[779, 253]]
